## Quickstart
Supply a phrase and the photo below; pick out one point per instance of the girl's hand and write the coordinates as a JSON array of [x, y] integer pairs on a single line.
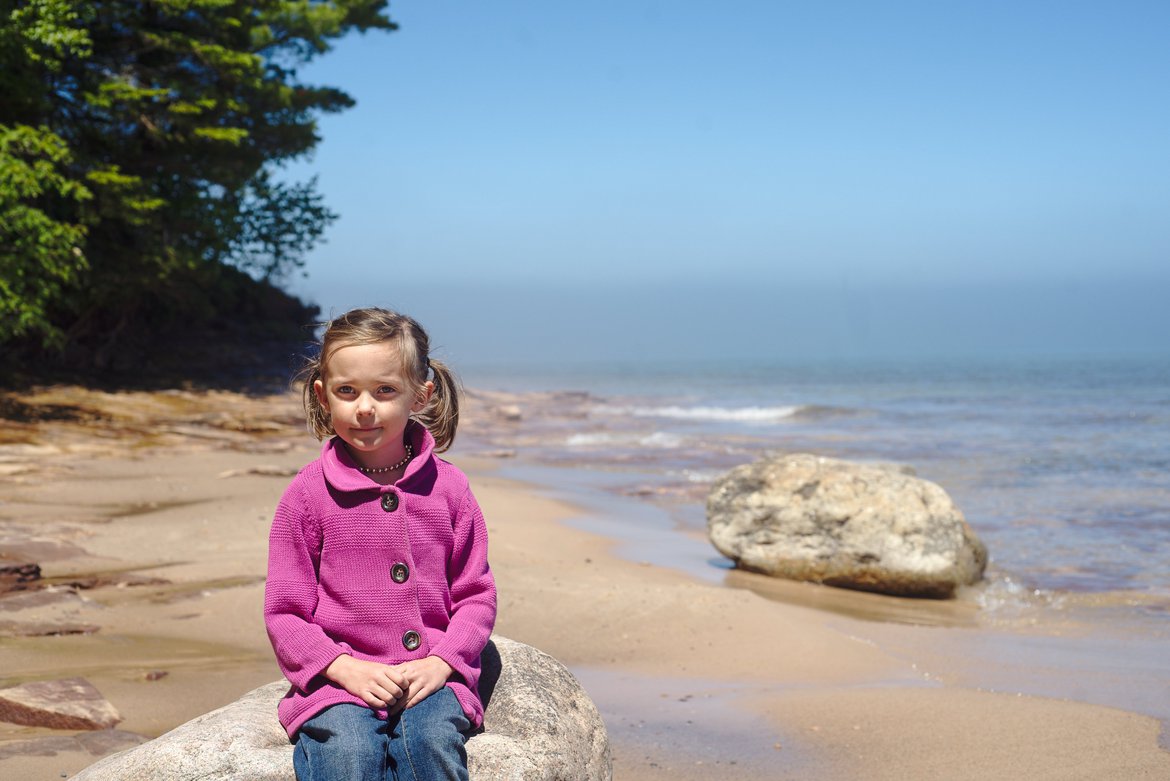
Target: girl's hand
[[424, 677], [377, 685]]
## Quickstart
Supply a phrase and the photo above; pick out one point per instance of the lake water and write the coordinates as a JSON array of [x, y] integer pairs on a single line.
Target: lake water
[[1062, 467]]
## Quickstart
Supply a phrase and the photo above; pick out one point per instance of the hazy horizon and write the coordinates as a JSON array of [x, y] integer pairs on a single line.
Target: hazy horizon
[[541, 323], [839, 179]]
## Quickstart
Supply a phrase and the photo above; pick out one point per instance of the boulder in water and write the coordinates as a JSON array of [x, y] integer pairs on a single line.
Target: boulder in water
[[867, 527]]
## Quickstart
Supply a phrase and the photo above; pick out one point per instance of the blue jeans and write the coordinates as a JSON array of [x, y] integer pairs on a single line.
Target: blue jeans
[[350, 743]]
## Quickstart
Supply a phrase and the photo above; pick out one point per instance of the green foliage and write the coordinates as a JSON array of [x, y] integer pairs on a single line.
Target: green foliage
[[39, 255], [139, 149]]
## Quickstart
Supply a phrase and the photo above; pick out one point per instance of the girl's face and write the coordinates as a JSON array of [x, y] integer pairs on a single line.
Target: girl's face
[[364, 389]]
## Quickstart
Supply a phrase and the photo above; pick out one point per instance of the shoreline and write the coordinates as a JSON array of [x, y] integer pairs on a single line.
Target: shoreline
[[693, 678], [1078, 646], [824, 715]]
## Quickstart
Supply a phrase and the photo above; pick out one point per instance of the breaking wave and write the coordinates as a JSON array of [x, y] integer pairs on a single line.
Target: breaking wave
[[714, 414], [658, 439]]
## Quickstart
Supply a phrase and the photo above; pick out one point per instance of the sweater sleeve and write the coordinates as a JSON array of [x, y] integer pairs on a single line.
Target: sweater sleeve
[[473, 593], [302, 648]]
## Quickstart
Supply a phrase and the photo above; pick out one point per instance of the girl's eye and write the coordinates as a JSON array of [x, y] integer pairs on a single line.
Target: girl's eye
[[385, 389], [344, 390]]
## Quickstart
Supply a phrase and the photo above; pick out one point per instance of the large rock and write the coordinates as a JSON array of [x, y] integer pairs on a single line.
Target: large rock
[[867, 527], [69, 703], [540, 725]]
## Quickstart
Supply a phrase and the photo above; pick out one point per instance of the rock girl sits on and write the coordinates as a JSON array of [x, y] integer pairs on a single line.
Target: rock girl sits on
[[379, 598]]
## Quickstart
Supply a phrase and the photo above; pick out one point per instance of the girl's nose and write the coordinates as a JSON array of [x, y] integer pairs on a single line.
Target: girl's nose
[[365, 405]]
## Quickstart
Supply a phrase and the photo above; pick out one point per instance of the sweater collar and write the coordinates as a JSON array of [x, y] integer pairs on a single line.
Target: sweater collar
[[342, 472]]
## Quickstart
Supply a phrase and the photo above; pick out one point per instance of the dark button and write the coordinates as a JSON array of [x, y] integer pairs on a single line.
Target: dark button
[[390, 502], [399, 572], [411, 640]]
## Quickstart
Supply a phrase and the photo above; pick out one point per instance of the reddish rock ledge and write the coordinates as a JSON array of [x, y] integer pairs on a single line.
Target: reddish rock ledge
[[68, 703]]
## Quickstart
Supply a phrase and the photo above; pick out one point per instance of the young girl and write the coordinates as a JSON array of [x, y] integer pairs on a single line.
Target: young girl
[[379, 598]]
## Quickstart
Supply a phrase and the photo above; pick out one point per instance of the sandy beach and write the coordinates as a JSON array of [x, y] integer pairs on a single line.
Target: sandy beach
[[149, 512]]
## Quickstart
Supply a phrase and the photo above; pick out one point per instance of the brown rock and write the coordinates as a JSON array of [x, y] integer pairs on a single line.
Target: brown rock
[[18, 575], [68, 703]]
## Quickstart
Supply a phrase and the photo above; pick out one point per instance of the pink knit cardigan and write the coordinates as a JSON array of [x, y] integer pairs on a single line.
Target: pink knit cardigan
[[335, 558]]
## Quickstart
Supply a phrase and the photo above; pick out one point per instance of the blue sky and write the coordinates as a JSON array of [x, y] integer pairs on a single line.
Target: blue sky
[[841, 178]]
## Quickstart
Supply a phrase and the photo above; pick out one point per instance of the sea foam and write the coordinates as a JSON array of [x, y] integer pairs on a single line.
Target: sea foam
[[659, 439], [716, 414]]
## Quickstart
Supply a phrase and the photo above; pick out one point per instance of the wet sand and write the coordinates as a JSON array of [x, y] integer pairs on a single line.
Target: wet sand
[[151, 501]]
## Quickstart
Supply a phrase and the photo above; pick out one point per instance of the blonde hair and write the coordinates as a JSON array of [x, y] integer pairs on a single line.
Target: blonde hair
[[373, 326]]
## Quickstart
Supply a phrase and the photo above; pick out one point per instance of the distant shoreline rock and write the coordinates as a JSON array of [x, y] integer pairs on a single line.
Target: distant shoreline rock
[[866, 527]]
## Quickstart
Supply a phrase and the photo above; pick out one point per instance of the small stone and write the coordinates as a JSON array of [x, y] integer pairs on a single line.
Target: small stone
[[510, 412], [68, 703]]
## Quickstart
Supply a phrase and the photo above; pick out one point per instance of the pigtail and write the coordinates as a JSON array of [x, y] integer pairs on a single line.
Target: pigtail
[[441, 416], [316, 418]]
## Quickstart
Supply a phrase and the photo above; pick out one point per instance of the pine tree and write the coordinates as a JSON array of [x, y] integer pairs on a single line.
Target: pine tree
[[140, 144]]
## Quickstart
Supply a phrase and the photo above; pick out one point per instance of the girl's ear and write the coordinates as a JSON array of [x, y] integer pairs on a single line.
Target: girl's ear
[[319, 389], [424, 396]]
